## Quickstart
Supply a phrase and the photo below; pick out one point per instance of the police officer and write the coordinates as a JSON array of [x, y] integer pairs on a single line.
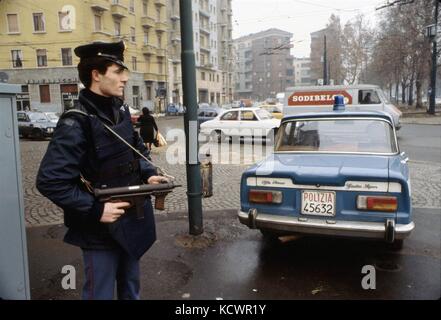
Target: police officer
[[83, 154]]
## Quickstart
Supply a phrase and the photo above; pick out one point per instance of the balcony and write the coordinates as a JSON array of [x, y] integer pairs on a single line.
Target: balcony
[[150, 76], [100, 5], [176, 37], [148, 22], [161, 77], [204, 48], [118, 11], [204, 12], [175, 16], [160, 52], [148, 50], [204, 29], [161, 26], [160, 3]]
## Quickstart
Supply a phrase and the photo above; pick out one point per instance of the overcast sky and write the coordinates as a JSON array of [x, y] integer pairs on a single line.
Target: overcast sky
[[300, 17]]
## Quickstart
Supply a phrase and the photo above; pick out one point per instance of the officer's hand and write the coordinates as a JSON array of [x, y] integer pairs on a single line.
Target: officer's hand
[[157, 180], [113, 211]]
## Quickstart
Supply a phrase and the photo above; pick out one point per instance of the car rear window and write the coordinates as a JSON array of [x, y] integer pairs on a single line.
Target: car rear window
[[337, 135]]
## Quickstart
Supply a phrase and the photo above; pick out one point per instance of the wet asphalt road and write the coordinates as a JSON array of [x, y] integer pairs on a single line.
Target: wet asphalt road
[[233, 262]]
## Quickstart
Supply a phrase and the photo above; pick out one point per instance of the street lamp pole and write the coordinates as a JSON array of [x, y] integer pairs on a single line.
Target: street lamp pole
[[190, 119], [325, 67], [434, 63]]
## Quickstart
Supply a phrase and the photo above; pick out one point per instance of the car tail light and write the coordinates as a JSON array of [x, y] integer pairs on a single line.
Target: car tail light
[[265, 196], [377, 203]]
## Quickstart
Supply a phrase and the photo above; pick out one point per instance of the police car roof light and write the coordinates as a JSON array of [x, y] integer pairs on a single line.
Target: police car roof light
[[339, 103]]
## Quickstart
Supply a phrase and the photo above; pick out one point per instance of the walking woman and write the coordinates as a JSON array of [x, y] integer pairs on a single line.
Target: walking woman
[[148, 127]]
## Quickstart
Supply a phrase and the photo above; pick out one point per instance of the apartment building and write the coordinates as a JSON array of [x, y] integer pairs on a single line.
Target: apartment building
[[302, 71], [37, 42], [264, 64], [212, 37]]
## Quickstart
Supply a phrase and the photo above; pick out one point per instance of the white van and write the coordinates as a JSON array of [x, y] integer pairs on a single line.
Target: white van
[[321, 98]]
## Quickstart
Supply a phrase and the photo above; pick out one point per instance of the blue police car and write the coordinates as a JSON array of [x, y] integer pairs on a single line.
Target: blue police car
[[338, 173]]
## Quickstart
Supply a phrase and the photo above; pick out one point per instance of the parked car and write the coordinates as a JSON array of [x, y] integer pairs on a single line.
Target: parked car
[[33, 124], [337, 173], [52, 116], [243, 122], [275, 110], [208, 113]]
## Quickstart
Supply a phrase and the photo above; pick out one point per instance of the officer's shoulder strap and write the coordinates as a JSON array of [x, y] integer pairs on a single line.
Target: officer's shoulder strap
[[75, 111]]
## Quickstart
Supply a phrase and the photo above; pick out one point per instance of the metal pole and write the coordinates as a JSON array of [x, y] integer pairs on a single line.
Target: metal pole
[[325, 67], [434, 62], [190, 119]]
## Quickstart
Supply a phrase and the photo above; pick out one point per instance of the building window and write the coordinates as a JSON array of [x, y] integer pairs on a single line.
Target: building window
[[158, 14], [135, 94], [146, 37], [134, 64], [132, 6], [13, 23], [117, 28], [38, 22], [17, 58], [159, 41], [98, 23], [66, 56], [45, 95], [132, 34], [41, 58], [148, 92], [144, 8], [203, 76], [160, 67]]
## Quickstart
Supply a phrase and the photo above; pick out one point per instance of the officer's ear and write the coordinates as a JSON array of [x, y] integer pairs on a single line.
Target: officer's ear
[[95, 75]]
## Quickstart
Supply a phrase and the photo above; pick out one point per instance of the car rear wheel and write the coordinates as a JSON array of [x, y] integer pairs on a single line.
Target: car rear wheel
[[269, 236], [218, 136], [37, 134], [396, 245]]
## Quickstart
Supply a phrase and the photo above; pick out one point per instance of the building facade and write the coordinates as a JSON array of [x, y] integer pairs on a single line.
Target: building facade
[[302, 71], [212, 36], [38, 42], [264, 64]]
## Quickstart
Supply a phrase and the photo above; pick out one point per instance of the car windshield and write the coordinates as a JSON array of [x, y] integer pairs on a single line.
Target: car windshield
[[36, 116], [337, 135], [264, 115]]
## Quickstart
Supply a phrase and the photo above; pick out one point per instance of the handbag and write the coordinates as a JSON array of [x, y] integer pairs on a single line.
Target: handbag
[[160, 140]]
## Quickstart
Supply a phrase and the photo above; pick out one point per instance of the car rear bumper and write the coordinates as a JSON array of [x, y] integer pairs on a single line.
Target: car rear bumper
[[388, 231]]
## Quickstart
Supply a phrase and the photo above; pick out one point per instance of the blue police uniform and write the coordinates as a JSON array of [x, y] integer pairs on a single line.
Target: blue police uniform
[[82, 147]]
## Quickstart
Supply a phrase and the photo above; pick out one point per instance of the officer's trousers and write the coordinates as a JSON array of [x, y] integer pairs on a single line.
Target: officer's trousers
[[102, 268]]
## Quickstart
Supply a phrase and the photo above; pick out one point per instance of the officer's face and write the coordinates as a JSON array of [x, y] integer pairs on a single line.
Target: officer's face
[[112, 83]]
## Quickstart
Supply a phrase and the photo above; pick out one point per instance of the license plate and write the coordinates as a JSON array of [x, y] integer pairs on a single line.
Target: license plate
[[318, 203]]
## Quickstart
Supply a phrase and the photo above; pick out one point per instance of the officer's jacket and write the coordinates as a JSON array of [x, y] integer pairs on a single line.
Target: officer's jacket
[[82, 147]]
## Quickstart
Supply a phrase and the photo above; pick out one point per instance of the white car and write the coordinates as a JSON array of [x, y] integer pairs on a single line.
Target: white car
[[242, 122], [52, 117]]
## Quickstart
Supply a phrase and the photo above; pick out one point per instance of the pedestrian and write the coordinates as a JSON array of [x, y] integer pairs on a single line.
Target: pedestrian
[[148, 128], [82, 155]]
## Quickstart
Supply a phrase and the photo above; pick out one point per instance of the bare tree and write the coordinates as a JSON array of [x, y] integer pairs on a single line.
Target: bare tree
[[401, 54], [356, 42]]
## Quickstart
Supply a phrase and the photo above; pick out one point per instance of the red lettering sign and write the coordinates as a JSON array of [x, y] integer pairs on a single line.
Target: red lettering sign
[[314, 98]]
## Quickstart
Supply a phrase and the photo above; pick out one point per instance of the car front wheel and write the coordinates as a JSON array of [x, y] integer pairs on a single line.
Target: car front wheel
[[218, 136]]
